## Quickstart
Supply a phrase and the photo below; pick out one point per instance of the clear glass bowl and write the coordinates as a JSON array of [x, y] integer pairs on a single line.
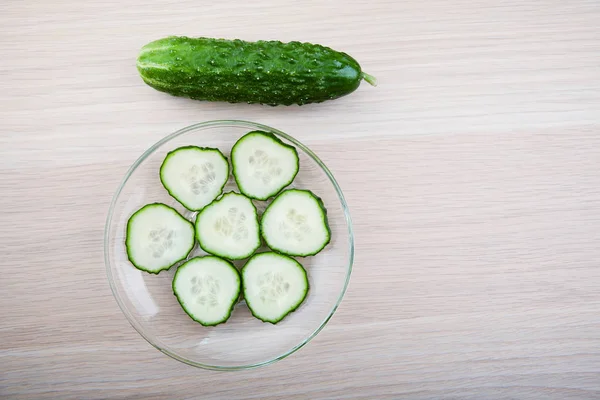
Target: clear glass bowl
[[243, 341]]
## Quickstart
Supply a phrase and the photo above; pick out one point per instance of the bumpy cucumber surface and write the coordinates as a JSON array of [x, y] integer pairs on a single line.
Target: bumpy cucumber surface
[[157, 238], [274, 285], [194, 176], [263, 164], [207, 289], [228, 227], [267, 72], [295, 223]]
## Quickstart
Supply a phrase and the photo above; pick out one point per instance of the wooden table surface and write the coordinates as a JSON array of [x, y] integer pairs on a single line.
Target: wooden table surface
[[472, 172]]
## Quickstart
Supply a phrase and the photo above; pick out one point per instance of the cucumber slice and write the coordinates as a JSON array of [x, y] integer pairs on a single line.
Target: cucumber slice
[[274, 285], [157, 238], [207, 288], [194, 176], [263, 164], [295, 223], [228, 227]]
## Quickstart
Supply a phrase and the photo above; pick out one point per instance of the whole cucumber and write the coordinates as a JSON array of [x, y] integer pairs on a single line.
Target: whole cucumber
[[266, 72]]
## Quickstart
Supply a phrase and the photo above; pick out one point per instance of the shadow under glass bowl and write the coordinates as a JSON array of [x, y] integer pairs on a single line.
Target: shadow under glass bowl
[[243, 341]]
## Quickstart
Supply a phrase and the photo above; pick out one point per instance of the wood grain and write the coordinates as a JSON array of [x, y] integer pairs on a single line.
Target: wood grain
[[472, 172]]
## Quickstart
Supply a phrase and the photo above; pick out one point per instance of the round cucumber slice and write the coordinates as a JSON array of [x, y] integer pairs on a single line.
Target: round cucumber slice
[[207, 288], [194, 176], [274, 285], [157, 238], [295, 223], [263, 164], [228, 227]]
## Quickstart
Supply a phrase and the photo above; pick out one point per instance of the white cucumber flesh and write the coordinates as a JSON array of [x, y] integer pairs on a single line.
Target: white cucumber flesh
[[263, 164], [295, 223], [158, 237], [207, 288], [228, 227], [274, 285], [194, 176]]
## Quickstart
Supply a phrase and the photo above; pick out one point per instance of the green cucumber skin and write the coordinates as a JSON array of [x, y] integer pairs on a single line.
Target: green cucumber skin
[[325, 223], [275, 138], [266, 72], [294, 308], [170, 153], [130, 258], [232, 306]]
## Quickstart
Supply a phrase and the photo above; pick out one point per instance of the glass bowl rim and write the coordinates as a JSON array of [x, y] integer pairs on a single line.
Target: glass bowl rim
[[253, 126]]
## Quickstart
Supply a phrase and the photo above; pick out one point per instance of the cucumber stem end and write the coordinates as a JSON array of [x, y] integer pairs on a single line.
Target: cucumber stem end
[[370, 79]]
